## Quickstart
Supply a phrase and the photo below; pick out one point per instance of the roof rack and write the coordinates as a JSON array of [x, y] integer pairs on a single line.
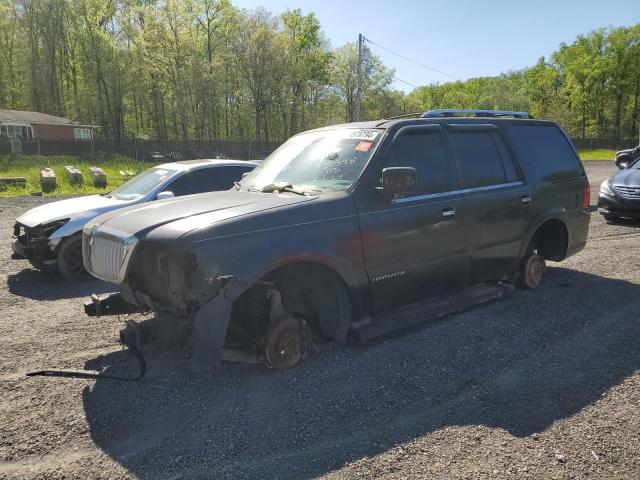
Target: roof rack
[[474, 113], [404, 115]]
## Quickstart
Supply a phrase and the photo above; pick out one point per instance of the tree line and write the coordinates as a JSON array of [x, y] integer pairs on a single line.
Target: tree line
[[206, 70]]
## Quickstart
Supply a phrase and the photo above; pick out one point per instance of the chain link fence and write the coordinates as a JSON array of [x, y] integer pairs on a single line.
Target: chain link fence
[[155, 151], [603, 143]]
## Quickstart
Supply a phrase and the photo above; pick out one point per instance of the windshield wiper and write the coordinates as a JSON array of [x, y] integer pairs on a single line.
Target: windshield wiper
[[286, 187]]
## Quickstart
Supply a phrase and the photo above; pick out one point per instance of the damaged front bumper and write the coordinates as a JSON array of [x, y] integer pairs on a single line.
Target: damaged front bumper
[[209, 321], [33, 244]]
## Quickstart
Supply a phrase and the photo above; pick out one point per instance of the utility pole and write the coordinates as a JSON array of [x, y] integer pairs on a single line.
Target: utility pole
[[359, 89]]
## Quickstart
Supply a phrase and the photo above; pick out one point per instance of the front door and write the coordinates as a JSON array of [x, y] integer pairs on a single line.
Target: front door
[[415, 245]]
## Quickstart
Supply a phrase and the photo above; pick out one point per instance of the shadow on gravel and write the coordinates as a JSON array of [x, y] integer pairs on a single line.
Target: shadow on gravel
[[49, 285], [625, 222], [519, 364]]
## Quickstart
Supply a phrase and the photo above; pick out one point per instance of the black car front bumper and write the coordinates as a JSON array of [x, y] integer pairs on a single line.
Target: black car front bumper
[[614, 206]]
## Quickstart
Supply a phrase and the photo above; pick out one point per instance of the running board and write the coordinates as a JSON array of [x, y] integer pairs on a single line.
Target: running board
[[430, 309]]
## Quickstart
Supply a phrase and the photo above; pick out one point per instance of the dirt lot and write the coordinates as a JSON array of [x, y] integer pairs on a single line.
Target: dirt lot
[[545, 384]]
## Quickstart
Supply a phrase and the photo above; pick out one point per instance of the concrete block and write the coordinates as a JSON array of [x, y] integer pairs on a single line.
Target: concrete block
[[47, 179], [98, 177], [73, 174]]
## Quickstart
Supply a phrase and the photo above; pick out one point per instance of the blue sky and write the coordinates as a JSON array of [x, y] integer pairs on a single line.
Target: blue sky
[[464, 38]]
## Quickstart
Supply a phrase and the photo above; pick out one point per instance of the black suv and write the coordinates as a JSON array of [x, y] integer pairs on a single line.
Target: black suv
[[350, 231]]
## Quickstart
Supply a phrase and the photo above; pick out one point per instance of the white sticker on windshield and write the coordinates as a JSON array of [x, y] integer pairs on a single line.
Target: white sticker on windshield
[[364, 134], [160, 172]]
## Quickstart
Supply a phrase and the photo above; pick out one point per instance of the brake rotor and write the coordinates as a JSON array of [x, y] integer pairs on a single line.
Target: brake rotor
[[286, 343]]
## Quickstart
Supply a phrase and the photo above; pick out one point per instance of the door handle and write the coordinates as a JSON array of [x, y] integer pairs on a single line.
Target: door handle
[[449, 212], [525, 199]]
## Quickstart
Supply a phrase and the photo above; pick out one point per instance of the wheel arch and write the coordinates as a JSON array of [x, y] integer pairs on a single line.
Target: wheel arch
[[550, 236], [319, 281]]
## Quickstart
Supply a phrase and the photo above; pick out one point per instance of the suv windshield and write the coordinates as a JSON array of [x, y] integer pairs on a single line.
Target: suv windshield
[[141, 185], [316, 161]]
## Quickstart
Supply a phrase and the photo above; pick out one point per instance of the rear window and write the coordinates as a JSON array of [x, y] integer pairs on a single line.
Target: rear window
[[547, 150]]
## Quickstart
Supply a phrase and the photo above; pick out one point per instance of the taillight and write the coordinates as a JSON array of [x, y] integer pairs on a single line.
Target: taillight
[[586, 194]]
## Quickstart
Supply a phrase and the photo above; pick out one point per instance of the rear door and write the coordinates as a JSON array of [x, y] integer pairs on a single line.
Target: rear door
[[415, 245], [497, 198]]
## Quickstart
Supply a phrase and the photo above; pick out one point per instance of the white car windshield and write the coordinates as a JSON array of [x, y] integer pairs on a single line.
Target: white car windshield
[[142, 184], [316, 161]]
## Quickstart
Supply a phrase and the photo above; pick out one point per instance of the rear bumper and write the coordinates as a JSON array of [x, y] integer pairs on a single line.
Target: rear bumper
[[618, 207], [578, 227]]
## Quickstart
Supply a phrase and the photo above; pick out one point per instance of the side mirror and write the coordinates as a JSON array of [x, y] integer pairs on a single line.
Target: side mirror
[[623, 164], [165, 195], [398, 180]]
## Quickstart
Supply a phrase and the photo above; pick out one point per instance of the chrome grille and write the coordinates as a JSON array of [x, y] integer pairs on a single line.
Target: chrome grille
[[631, 193], [106, 252], [106, 256]]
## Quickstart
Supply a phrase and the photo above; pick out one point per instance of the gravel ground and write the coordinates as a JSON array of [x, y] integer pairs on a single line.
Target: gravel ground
[[544, 384]]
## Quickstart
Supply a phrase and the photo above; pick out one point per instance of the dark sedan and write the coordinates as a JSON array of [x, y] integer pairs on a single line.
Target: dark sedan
[[620, 195]]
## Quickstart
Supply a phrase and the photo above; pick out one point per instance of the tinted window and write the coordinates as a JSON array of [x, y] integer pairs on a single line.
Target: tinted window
[[425, 151], [207, 180], [507, 162], [547, 150], [480, 161], [228, 175], [197, 181]]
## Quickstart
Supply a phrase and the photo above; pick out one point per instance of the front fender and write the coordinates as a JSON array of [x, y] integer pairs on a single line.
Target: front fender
[[336, 246]]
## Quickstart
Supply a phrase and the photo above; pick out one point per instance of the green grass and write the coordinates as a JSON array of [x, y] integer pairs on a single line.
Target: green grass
[[599, 154], [29, 166]]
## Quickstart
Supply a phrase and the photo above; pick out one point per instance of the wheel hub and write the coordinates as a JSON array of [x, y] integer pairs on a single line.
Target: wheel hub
[[286, 343], [534, 270]]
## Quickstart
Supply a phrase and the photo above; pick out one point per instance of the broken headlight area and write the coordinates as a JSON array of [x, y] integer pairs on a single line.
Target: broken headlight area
[[175, 268], [33, 242], [163, 279], [39, 232]]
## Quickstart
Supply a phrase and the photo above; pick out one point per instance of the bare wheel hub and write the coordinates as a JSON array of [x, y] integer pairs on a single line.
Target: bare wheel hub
[[286, 343]]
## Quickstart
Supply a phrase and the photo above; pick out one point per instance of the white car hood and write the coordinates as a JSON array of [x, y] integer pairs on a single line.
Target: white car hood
[[84, 207]]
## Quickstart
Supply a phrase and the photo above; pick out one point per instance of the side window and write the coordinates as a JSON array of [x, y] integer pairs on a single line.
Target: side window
[[197, 181], [483, 159], [546, 150], [507, 162], [228, 175], [426, 152]]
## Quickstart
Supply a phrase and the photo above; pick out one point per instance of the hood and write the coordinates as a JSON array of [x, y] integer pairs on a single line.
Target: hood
[[193, 211], [86, 207], [629, 177]]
